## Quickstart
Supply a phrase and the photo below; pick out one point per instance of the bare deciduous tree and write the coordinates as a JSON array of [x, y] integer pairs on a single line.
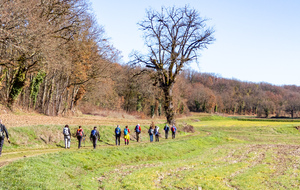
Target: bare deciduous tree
[[174, 38]]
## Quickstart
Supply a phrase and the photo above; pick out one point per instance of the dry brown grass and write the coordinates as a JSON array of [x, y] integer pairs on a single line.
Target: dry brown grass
[[13, 120]]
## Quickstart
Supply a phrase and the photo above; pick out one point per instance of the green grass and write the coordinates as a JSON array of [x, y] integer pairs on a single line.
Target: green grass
[[224, 153], [50, 136]]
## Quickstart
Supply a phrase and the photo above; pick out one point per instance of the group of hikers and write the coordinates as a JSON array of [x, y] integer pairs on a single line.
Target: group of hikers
[[152, 131], [95, 136]]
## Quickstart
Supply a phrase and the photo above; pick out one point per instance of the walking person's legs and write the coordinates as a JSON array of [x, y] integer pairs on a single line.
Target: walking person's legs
[[79, 141], [69, 142], [66, 141], [1, 145], [119, 140], [94, 142]]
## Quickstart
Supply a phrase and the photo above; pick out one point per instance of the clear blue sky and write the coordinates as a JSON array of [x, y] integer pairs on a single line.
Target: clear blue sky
[[256, 40]]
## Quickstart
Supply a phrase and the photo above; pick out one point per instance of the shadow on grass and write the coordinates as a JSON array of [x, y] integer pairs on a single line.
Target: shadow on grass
[[60, 146]]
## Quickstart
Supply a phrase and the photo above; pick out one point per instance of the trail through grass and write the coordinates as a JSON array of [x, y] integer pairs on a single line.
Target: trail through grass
[[224, 153]]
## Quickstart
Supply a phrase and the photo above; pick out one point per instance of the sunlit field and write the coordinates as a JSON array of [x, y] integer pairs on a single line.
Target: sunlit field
[[222, 153]]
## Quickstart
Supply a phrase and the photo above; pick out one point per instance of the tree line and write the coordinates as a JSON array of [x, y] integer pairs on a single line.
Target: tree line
[[211, 93], [55, 59], [51, 50], [132, 91]]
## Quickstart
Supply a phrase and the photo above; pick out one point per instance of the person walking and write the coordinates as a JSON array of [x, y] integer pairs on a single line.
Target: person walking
[[67, 136], [173, 129], [126, 135], [94, 137], [118, 134], [151, 132], [2, 135], [79, 134], [167, 129], [156, 133], [138, 132]]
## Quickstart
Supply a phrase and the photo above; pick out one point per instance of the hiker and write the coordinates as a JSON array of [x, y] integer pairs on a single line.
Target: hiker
[[126, 135], [67, 136], [166, 128], [118, 134], [173, 129], [2, 136], [94, 137], [151, 132], [80, 135], [156, 133], [138, 132]]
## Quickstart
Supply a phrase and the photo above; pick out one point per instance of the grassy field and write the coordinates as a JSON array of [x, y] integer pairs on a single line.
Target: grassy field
[[223, 153]]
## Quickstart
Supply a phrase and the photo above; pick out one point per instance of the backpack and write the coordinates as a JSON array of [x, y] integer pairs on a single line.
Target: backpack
[[173, 129], [137, 129], [94, 133], [156, 132], [66, 131], [125, 131], [166, 128], [79, 133], [1, 131], [117, 131], [151, 131]]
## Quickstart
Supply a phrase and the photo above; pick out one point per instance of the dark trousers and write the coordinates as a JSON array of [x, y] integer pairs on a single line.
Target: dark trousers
[[166, 134], [1, 144], [118, 139], [137, 137], [157, 138], [79, 141], [94, 139], [173, 135]]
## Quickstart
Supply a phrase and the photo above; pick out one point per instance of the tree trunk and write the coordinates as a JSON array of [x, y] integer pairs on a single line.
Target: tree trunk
[[74, 98], [44, 93], [169, 109], [156, 107], [17, 86], [50, 98]]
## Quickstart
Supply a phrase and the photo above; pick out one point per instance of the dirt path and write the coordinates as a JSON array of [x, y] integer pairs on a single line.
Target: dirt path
[[8, 157]]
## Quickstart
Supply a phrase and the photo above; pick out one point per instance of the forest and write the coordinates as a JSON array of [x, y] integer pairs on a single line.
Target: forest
[[57, 60]]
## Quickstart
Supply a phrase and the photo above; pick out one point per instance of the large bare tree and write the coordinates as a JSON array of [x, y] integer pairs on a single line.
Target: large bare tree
[[174, 37]]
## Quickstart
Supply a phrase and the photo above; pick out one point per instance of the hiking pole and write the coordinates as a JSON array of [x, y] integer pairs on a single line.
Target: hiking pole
[[84, 140]]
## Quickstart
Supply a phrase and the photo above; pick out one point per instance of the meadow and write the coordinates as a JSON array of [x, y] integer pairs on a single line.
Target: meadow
[[222, 153]]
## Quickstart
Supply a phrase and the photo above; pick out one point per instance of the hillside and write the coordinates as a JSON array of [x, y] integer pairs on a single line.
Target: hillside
[[222, 153]]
